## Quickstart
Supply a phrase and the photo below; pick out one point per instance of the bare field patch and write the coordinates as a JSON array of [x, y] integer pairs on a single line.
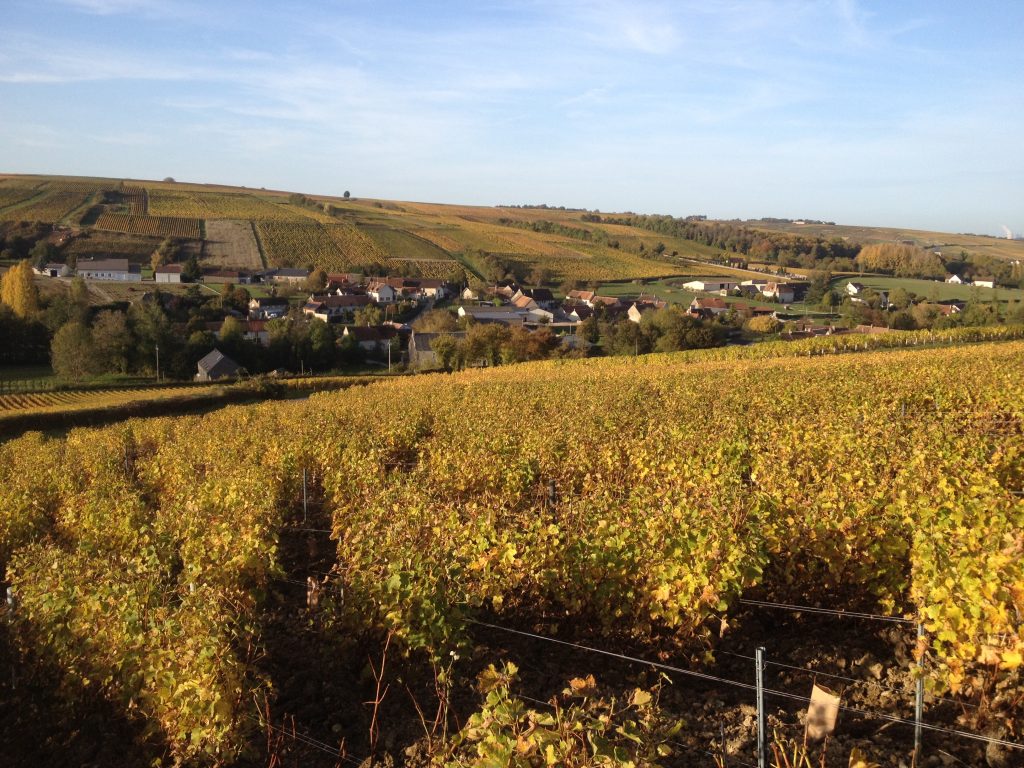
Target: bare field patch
[[231, 245]]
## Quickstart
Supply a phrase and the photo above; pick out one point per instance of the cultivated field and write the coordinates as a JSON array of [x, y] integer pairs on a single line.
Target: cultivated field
[[231, 245], [219, 594]]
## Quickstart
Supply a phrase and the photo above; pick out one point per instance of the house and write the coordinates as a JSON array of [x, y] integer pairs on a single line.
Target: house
[[954, 280], [333, 309], [748, 310], [216, 365], [635, 312], [267, 308], [382, 292], [430, 288], [167, 273], [984, 283], [522, 301], [290, 275], [582, 297], [109, 269], [709, 286], [578, 312], [421, 350], [538, 316], [854, 289], [782, 292], [470, 294], [708, 307], [543, 296], [53, 269], [952, 308], [372, 338], [256, 330], [506, 288], [641, 305]]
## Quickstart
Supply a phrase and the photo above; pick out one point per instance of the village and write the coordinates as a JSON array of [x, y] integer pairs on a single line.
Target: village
[[380, 319]]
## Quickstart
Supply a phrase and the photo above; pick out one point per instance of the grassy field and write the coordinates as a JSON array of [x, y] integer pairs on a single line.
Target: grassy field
[[931, 290], [949, 244]]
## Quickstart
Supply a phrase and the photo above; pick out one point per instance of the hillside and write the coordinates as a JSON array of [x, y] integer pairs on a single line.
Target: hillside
[[302, 583], [945, 242], [244, 228], [239, 228]]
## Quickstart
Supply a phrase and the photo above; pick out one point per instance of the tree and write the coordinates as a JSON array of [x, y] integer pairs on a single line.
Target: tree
[[42, 253], [589, 330], [435, 321], [190, 270], [446, 350], [899, 298], [369, 315], [540, 276], [316, 281], [764, 324], [819, 287], [347, 195], [112, 341], [18, 290], [78, 298], [71, 353]]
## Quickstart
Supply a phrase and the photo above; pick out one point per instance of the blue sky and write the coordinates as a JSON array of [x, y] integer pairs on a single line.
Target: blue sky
[[878, 113]]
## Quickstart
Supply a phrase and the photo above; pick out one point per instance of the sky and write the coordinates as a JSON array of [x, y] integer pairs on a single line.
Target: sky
[[888, 113]]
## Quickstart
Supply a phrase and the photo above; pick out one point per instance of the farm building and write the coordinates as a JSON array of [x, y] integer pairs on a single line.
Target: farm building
[[709, 286], [167, 273], [216, 365], [110, 269]]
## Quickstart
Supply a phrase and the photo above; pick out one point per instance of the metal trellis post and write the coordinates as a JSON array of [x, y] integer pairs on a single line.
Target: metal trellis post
[[919, 695], [762, 752], [304, 497]]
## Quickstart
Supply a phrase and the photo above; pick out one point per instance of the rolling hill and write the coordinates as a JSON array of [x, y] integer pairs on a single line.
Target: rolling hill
[[237, 227]]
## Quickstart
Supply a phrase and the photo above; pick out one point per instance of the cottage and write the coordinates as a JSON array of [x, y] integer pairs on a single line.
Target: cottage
[[708, 307], [382, 292], [522, 301], [954, 280], [583, 297], [854, 289], [110, 269], [372, 338], [989, 283], [543, 296], [167, 273], [782, 292], [639, 307], [267, 308], [333, 309], [216, 365]]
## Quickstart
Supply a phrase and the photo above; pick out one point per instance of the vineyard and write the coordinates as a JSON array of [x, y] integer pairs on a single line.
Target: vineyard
[[57, 201], [47, 402], [157, 226], [332, 247], [159, 567], [221, 205]]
